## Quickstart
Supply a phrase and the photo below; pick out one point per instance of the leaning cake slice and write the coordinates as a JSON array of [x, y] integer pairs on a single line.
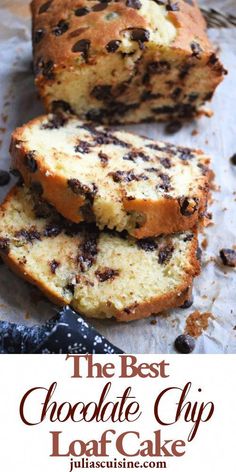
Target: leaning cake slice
[[117, 179], [100, 274]]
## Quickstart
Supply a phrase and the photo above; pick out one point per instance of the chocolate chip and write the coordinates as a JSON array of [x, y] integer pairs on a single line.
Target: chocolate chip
[[101, 92], [156, 147], [184, 71], [38, 35], [103, 158], [147, 244], [184, 344], [70, 288], [139, 34], [213, 59], [176, 93], [52, 230], [58, 105], [136, 4], [196, 48], [187, 303], [113, 45], [193, 96], [165, 162], [81, 189], [185, 154], [82, 11], [106, 137], [4, 178], [82, 46], [83, 147], [30, 161], [106, 274], [172, 6], [188, 238], [87, 213], [100, 6], [173, 127], [88, 251], [165, 182], [126, 176], [28, 234], [158, 67], [165, 254], [56, 122], [228, 257], [47, 70], [147, 95], [188, 206], [4, 245], [42, 209], [60, 28], [45, 7], [233, 159], [54, 265], [134, 155]]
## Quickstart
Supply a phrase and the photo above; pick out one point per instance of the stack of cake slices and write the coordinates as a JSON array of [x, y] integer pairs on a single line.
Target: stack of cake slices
[[105, 221]]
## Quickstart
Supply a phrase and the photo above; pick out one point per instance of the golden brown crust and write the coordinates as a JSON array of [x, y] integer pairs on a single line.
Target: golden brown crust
[[188, 20], [162, 216]]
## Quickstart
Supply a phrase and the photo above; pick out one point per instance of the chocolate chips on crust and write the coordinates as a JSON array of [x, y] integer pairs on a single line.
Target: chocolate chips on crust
[[188, 206], [30, 161], [81, 189]]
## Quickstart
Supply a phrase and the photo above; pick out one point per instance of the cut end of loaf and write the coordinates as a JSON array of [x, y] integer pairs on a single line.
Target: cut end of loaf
[[124, 62]]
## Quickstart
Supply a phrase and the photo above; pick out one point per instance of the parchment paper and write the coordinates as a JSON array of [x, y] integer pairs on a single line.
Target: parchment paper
[[215, 289]]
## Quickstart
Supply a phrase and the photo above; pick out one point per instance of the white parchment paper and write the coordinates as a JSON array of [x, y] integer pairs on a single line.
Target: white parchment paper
[[215, 289]]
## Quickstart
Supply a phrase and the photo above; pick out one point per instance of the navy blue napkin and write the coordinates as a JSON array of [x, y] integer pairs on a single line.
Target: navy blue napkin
[[67, 333]]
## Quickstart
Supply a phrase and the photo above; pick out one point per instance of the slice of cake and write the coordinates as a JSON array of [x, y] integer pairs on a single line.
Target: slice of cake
[[100, 274], [124, 61], [117, 179]]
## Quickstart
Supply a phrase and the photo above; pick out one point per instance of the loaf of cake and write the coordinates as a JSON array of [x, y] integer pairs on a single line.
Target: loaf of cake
[[117, 179], [101, 274], [124, 61]]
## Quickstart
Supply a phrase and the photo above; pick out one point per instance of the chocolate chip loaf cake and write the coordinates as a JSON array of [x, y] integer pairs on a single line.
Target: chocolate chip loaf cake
[[100, 274], [117, 179], [123, 61]]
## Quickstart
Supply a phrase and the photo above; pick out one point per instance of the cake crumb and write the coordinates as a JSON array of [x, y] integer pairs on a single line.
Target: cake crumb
[[197, 322], [204, 243], [153, 322], [195, 132]]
